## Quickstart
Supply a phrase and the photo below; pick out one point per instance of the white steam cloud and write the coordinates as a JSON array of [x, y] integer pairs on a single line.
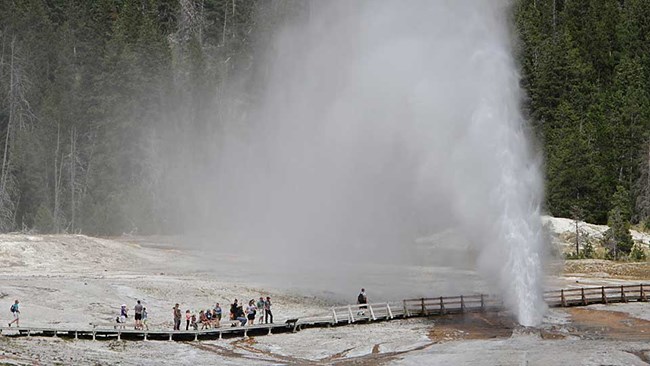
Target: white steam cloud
[[383, 122]]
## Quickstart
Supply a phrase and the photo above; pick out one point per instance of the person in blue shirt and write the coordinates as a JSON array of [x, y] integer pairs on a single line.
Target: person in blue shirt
[[16, 313]]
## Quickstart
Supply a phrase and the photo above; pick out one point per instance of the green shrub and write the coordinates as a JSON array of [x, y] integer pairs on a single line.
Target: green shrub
[[588, 250], [637, 253]]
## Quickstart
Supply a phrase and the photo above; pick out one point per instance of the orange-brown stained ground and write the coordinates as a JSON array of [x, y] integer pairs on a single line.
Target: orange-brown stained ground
[[602, 324], [472, 326], [585, 323]]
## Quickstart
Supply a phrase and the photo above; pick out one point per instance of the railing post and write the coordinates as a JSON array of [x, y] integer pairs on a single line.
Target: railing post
[[623, 298], [442, 306], [372, 313], [407, 314], [482, 303], [75, 335], [336, 320], [462, 304], [119, 335], [390, 312], [562, 298], [196, 336], [350, 316], [604, 295], [424, 309], [170, 336], [584, 299], [642, 293]]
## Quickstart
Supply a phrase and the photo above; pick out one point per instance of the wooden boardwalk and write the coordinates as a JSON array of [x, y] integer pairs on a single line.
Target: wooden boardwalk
[[349, 314]]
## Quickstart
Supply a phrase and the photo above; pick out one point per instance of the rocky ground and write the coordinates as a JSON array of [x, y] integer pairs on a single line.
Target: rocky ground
[[77, 280]]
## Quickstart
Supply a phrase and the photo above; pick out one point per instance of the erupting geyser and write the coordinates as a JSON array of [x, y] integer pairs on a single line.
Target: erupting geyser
[[381, 122]]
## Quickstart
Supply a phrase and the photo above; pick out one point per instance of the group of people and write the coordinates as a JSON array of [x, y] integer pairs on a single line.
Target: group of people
[[140, 316], [209, 318], [238, 315], [250, 313]]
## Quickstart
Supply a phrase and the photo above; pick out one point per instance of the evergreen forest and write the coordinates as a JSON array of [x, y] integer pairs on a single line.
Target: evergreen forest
[[93, 92]]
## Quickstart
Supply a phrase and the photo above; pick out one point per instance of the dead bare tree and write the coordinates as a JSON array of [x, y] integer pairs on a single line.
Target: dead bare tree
[[19, 115], [73, 161], [643, 186], [58, 175]]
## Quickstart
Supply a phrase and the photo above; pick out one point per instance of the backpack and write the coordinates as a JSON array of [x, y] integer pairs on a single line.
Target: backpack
[[13, 308], [361, 299]]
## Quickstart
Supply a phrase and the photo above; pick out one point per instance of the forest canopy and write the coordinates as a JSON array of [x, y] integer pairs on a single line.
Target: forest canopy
[[93, 94]]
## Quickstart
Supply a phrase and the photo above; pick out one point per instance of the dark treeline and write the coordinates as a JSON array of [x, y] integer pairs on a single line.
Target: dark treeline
[[95, 96], [586, 71]]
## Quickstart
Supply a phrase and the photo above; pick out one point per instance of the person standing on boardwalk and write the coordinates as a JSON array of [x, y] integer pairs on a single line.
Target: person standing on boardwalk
[[217, 312], [138, 315], [188, 317], [260, 308], [177, 317], [144, 319], [251, 311], [362, 299], [15, 311], [216, 316], [267, 310], [124, 313]]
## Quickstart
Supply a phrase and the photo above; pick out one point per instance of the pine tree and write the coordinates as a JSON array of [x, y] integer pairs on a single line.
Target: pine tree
[[618, 238]]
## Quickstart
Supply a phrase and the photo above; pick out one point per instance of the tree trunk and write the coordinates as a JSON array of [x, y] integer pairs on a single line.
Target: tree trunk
[[73, 165]]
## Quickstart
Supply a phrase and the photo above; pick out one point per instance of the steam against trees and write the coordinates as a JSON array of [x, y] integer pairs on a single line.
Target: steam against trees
[[93, 93]]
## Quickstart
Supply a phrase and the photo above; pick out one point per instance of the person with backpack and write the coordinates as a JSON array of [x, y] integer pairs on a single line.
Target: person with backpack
[[362, 299], [15, 311]]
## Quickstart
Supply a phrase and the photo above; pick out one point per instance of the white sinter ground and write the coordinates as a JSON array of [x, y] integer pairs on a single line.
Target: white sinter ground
[[71, 281]]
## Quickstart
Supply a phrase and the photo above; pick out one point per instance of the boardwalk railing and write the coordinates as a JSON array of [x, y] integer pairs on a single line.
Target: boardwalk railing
[[596, 295], [348, 314], [449, 305]]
